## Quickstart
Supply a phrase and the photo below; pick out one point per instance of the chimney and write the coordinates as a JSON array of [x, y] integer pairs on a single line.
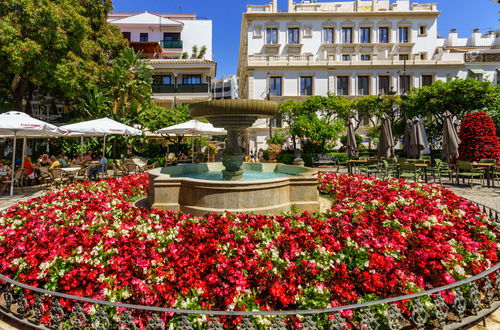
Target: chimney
[[290, 6], [275, 6]]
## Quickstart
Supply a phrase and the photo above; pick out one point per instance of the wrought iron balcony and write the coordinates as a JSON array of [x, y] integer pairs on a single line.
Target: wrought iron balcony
[[176, 44]]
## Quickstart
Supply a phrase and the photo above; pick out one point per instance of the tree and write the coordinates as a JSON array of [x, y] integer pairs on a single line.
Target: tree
[[373, 107], [478, 138], [156, 117], [317, 120], [63, 47], [200, 54]]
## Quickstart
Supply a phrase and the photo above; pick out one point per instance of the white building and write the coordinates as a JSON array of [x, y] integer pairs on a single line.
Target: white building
[[352, 48], [166, 39], [225, 88]]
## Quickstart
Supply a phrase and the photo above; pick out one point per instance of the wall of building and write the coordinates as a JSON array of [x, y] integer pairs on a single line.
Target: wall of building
[[197, 33]]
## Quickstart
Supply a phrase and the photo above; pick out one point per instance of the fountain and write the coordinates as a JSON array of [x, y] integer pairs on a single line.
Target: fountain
[[197, 189]]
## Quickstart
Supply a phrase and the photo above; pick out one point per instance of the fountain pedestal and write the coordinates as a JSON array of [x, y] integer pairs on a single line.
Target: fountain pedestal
[[232, 158]]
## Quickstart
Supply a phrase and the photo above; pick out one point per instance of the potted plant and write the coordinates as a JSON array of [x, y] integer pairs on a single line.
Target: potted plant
[[275, 144], [212, 151]]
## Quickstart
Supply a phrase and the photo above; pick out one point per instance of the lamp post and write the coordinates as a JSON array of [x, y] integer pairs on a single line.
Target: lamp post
[[268, 98]]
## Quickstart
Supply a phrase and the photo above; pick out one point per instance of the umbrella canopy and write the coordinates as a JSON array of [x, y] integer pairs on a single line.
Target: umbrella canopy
[[102, 127], [425, 138], [14, 124], [192, 128], [352, 147], [450, 138], [407, 137], [386, 143], [416, 139]]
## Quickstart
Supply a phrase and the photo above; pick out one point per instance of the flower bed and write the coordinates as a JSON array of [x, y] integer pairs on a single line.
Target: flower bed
[[380, 239]]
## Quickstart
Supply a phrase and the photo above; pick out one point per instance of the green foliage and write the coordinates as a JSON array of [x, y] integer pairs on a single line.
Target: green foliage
[[197, 53], [279, 137], [155, 117], [457, 96], [63, 47], [359, 139], [285, 158]]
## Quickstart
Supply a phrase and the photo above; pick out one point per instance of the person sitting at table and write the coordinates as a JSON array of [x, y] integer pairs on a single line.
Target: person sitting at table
[[30, 169], [103, 166], [88, 157], [5, 174], [44, 161], [77, 161], [183, 157], [55, 163], [62, 160]]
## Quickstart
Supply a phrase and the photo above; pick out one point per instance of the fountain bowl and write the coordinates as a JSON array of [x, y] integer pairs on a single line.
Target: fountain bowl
[[286, 187]]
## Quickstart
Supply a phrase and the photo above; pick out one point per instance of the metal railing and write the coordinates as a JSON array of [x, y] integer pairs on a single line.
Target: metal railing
[[473, 299]]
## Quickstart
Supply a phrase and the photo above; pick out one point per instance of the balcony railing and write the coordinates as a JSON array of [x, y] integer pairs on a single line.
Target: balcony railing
[[175, 44], [192, 88], [163, 88], [187, 88]]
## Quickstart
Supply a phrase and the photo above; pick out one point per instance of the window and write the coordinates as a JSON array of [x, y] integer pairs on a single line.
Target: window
[[383, 85], [365, 37], [346, 35], [277, 121], [403, 34], [422, 30], [365, 57], [342, 85], [427, 80], [275, 86], [143, 37], [170, 36], [307, 31], [383, 35], [293, 35], [257, 31], [328, 35], [403, 57], [162, 80], [346, 58], [271, 36], [191, 80], [423, 56], [404, 83], [306, 85], [126, 35], [363, 85]]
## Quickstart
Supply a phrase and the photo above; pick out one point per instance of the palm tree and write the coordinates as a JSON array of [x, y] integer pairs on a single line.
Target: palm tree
[[198, 55]]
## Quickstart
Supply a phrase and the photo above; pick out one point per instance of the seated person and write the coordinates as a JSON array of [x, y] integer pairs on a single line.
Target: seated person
[[183, 156], [30, 169], [103, 166], [5, 174], [61, 159], [88, 157], [44, 161], [54, 163]]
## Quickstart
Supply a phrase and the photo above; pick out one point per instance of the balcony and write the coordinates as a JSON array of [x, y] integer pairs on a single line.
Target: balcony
[[192, 88], [188, 88], [163, 88], [171, 44]]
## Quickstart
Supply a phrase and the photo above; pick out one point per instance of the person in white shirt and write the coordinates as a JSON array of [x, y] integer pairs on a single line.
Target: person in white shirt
[[5, 173]]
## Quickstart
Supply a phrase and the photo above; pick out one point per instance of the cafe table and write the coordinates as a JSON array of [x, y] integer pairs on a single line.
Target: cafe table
[[424, 167], [70, 171], [488, 166], [352, 162]]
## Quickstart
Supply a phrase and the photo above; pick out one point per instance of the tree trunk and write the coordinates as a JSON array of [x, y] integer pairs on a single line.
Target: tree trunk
[[19, 90]]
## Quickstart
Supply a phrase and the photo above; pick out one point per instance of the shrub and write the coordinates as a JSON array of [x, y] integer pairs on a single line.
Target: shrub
[[478, 138], [285, 158]]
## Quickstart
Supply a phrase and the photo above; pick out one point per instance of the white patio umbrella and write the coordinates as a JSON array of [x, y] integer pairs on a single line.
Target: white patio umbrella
[[192, 128], [100, 127], [14, 124]]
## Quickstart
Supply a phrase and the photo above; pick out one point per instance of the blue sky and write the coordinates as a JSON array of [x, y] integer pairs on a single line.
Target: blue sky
[[464, 15]]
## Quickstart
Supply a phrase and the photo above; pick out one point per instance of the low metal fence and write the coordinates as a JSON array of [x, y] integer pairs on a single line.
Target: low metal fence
[[468, 301]]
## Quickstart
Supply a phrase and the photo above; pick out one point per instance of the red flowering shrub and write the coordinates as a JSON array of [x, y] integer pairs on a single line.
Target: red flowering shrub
[[380, 239], [478, 138]]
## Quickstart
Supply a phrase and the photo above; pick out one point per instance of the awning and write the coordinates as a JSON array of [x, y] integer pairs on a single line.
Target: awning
[[476, 71]]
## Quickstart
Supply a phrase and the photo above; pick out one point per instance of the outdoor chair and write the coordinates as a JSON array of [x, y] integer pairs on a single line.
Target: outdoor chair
[[408, 171], [82, 174], [58, 177], [446, 169], [426, 158], [436, 170], [370, 168], [18, 179], [402, 160], [45, 177], [132, 168], [487, 161], [388, 170], [465, 170], [495, 174]]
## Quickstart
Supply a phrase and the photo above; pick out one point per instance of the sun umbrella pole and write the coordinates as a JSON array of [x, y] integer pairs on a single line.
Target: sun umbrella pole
[[13, 165], [104, 149], [24, 151], [192, 149], [81, 146]]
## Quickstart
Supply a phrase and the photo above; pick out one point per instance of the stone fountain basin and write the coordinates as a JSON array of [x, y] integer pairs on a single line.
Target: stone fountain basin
[[170, 191]]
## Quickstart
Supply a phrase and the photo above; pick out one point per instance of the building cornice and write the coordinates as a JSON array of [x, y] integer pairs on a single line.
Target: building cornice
[[339, 15]]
